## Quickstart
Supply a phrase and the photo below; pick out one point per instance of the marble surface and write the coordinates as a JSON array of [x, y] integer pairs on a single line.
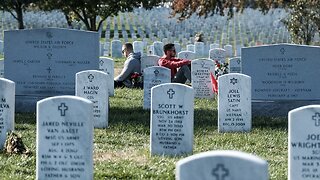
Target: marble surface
[[222, 165], [64, 138], [172, 116], [234, 103], [93, 85], [149, 61], [107, 65]]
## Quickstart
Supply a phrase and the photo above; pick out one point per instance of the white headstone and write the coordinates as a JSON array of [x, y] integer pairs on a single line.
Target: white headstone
[[116, 49], [7, 102], [64, 138], [138, 47], [158, 48], [235, 65], [214, 46], [201, 71], [304, 143], [190, 47], [186, 55], [153, 76], [199, 49], [218, 54], [93, 85], [229, 50], [107, 65], [234, 103], [171, 127], [149, 61], [222, 165]]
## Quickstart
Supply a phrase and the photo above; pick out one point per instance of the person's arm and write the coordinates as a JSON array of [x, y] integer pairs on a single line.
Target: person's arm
[[173, 64], [126, 71]]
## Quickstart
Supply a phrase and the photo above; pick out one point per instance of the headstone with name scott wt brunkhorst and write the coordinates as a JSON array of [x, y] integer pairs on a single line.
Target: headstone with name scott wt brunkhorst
[[284, 77], [7, 101], [222, 165], [153, 76], [64, 138], [93, 85], [171, 129], [47, 61], [304, 143], [201, 72], [234, 103], [107, 65]]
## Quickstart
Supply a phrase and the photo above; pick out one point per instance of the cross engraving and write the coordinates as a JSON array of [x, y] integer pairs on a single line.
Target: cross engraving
[[220, 172], [238, 61], [90, 77], [49, 35], [316, 118], [233, 81], [49, 70], [282, 50], [171, 92], [202, 64], [63, 108], [186, 55]]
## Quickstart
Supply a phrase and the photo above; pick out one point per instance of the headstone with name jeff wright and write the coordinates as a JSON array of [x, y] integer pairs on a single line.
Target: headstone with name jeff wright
[[107, 65], [171, 127], [234, 103], [304, 143], [148, 61], [7, 100], [93, 85], [235, 65], [201, 71], [222, 165], [284, 77], [116, 49], [153, 76], [64, 138], [60, 54]]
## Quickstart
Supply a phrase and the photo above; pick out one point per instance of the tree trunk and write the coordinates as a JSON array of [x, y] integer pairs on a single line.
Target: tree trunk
[[19, 16], [93, 24]]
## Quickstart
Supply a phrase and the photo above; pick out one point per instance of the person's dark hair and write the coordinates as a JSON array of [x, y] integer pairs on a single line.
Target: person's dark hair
[[167, 47], [128, 46]]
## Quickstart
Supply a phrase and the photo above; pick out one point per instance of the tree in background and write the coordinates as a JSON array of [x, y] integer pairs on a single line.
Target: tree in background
[[302, 23], [304, 20], [16, 9], [88, 11]]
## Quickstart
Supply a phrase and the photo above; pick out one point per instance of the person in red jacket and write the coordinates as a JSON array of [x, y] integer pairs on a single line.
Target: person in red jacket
[[180, 68]]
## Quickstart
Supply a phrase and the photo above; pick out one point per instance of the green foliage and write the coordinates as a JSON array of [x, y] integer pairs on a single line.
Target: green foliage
[[304, 20], [122, 150]]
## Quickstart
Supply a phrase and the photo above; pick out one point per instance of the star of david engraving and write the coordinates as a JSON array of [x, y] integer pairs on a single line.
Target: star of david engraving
[[101, 62], [316, 118], [156, 72], [233, 81], [171, 92], [220, 172], [90, 77], [282, 50], [63, 108]]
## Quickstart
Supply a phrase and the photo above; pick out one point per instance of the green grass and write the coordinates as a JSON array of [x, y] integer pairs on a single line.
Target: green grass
[[122, 150]]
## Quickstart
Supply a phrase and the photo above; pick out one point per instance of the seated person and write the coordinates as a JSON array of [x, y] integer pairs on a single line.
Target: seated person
[[132, 65], [180, 68]]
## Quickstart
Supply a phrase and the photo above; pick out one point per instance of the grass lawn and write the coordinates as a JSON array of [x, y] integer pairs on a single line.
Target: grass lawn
[[122, 150]]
